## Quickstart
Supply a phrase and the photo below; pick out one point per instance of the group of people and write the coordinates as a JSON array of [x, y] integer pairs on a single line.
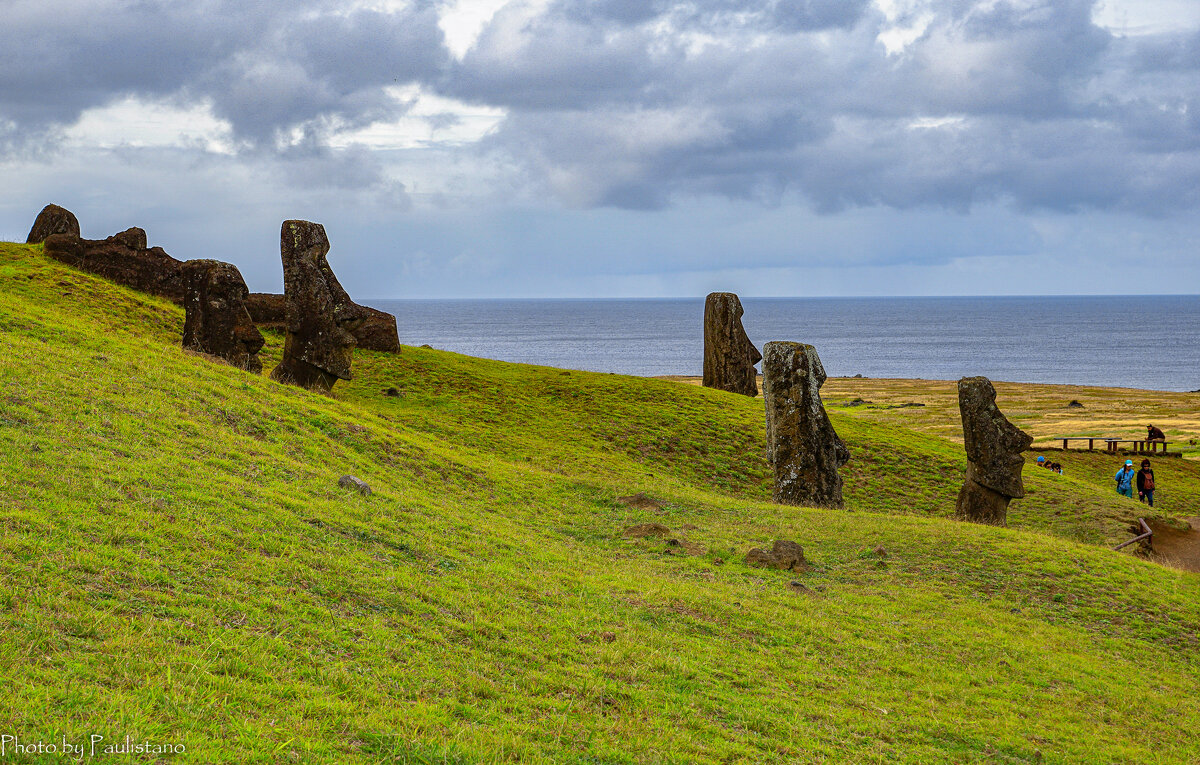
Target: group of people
[[1144, 479], [1051, 466]]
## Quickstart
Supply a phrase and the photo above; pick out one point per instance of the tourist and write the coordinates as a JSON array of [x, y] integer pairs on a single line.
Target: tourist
[[1154, 434], [1145, 483], [1125, 479], [1041, 461]]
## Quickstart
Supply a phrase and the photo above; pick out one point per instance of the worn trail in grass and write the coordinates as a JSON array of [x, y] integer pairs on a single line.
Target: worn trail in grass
[[179, 565]]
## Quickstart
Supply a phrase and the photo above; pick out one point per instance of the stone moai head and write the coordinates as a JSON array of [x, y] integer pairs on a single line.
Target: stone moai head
[[994, 445], [216, 320], [729, 356], [53, 220], [804, 450], [320, 315]]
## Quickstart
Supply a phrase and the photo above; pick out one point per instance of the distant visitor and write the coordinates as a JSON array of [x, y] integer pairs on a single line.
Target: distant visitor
[[1124, 478], [1145, 483], [994, 455], [216, 321], [804, 450], [729, 356], [321, 317]]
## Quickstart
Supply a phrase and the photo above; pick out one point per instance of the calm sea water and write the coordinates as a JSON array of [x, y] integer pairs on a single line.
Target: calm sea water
[[1137, 342]]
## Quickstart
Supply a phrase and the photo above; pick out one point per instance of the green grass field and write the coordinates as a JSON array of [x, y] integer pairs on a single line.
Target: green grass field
[[178, 565]]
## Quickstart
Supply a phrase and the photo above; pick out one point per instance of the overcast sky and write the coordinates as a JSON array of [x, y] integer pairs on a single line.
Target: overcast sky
[[579, 148]]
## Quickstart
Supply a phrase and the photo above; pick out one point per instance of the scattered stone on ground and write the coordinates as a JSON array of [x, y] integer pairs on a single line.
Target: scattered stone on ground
[[804, 450], [640, 501], [784, 554], [1074, 405], [880, 552], [117, 258], [857, 402], [688, 527], [592, 637], [994, 449], [682, 547], [729, 356], [392, 392], [53, 220], [357, 484], [216, 321], [799, 587], [321, 317], [643, 530]]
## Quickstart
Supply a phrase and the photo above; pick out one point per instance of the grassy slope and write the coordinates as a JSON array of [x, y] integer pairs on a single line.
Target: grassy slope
[[178, 564]]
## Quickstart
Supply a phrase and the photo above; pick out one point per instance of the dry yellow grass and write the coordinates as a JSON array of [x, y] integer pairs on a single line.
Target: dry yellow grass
[[1042, 410]]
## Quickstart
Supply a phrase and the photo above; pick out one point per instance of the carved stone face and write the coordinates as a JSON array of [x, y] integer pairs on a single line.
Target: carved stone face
[[216, 320], [729, 356], [320, 315], [804, 450], [994, 445]]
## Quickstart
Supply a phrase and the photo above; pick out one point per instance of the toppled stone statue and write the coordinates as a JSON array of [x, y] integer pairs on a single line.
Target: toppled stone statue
[[729, 356], [53, 220], [124, 258], [216, 321], [321, 317], [804, 450], [994, 458], [376, 333]]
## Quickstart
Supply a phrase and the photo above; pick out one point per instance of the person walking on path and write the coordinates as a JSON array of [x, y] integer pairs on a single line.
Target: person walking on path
[[1125, 479], [1145, 483]]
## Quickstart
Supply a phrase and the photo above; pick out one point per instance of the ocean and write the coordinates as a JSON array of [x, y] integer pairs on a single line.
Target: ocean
[[1135, 342]]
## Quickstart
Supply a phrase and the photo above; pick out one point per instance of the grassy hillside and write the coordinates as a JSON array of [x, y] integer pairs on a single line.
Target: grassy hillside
[[179, 565]]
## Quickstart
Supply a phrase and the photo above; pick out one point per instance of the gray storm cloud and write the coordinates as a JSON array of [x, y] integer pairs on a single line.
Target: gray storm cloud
[[640, 104]]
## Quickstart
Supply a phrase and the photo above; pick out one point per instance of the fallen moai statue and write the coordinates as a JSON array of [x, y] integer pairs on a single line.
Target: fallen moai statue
[[216, 321], [376, 333], [321, 317], [123, 258], [994, 455], [52, 220], [804, 450], [729, 356]]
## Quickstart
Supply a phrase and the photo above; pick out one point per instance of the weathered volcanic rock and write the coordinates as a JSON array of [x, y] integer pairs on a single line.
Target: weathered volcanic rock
[[133, 238], [804, 450], [729, 356], [267, 310], [994, 458], [216, 321], [376, 333], [149, 270], [53, 220], [321, 317], [784, 554]]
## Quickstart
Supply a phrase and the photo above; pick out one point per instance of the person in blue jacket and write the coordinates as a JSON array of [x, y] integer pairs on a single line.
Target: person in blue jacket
[[1125, 479]]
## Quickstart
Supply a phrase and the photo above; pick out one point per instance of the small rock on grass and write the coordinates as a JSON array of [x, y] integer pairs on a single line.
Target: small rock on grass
[[350, 482], [784, 554], [392, 392]]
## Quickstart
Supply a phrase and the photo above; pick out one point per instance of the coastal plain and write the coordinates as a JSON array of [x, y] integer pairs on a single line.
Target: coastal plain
[[178, 564]]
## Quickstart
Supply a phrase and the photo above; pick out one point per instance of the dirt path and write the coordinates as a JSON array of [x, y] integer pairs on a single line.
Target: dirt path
[[1177, 548]]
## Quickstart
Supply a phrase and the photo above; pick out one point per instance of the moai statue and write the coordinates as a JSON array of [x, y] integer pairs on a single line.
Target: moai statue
[[729, 356], [53, 220], [216, 321], [994, 458], [321, 317], [802, 446]]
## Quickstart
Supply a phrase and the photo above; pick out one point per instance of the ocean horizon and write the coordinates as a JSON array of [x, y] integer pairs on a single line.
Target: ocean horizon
[[1132, 341]]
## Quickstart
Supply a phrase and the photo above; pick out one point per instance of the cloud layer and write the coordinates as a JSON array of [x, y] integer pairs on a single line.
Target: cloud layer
[[833, 109]]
